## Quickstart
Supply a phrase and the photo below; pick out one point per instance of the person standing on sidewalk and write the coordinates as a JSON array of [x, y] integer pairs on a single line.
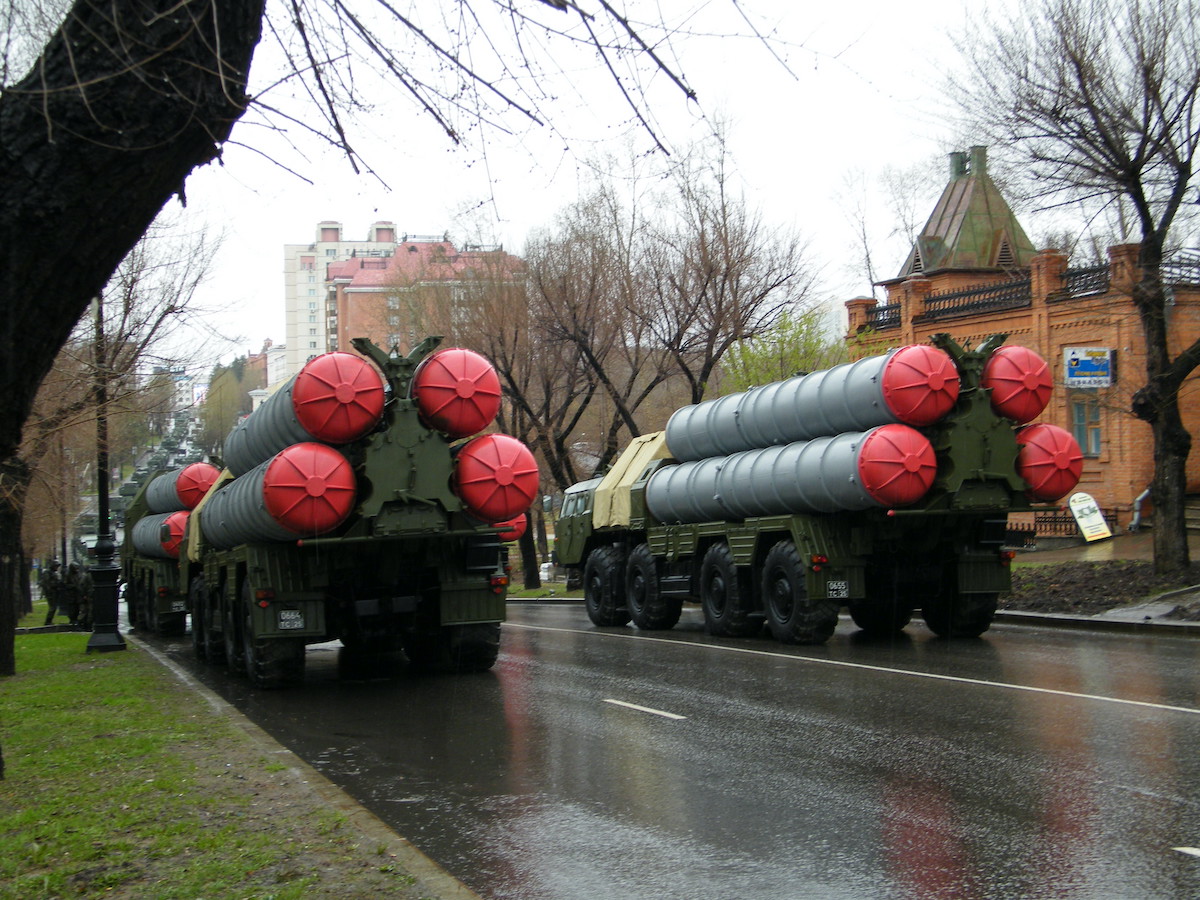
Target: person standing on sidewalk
[[51, 585]]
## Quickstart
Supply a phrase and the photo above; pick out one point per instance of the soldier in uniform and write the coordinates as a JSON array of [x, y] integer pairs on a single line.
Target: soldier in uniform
[[51, 585]]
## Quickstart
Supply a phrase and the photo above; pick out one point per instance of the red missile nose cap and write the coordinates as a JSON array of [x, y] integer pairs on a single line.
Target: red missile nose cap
[[172, 533], [1019, 381], [194, 482], [896, 465], [1049, 460], [496, 477], [309, 489], [920, 384], [457, 392], [338, 397]]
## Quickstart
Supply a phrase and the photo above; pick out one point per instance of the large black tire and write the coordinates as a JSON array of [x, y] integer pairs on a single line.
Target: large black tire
[[727, 595], [270, 662], [648, 608], [231, 636], [961, 616], [603, 579], [454, 648], [196, 605], [792, 616], [214, 642], [884, 611]]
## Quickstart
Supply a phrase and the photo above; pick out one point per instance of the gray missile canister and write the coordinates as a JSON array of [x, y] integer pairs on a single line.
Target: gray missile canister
[[888, 466], [335, 399], [915, 385]]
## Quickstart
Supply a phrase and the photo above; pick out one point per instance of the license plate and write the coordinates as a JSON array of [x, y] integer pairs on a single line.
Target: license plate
[[178, 606], [838, 590], [290, 618]]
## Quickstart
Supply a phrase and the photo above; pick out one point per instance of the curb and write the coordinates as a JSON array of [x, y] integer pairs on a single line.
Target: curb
[[1099, 623], [432, 880]]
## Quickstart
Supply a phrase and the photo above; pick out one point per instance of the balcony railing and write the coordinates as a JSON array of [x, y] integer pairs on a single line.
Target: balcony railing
[[1085, 282], [1006, 295], [881, 317]]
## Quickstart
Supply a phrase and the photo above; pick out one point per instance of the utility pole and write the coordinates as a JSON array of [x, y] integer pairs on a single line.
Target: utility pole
[[105, 633]]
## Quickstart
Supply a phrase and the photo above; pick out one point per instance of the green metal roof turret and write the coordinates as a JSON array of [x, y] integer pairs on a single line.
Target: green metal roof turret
[[972, 226]]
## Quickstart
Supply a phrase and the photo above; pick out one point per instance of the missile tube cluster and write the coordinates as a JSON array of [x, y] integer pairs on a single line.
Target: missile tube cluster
[[846, 438], [170, 498], [292, 482]]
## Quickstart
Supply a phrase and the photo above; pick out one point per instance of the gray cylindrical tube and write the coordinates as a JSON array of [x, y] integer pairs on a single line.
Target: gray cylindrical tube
[[915, 385], [336, 398], [304, 490], [149, 538], [891, 465]]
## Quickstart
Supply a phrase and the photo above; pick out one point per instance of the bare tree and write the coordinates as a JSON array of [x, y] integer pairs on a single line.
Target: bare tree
[[718, 273], [145, 305], [127, 97], [1098, 99]]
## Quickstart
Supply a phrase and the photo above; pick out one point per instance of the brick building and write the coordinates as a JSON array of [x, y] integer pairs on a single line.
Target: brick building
[[972, 272], [388, 288]]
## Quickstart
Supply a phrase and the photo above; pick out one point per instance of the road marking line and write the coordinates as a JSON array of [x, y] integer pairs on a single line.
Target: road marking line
[[1190, 851], [931, 676], [645, 709]]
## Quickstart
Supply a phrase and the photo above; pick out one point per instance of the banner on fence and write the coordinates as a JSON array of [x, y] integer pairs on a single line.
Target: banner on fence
[[1088, 517]]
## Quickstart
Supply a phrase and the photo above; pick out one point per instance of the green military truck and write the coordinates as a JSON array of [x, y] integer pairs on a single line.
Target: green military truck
[[882, 485], [155, 582]]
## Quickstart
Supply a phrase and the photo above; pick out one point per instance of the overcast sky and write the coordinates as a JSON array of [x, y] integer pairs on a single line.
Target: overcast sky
[[860, 91]]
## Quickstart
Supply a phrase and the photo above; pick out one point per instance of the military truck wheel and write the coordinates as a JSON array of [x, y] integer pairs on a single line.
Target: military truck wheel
[[214, 643], [648, 609], [454, 648], [963, 616], [726, 595], [235, 656], [603, 578], [884, 611], [792, 616], [196, 605], [270, 662]]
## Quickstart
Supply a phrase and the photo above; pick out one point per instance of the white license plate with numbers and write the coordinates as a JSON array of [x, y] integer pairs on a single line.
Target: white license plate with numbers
[[838, 590], [290, 619]]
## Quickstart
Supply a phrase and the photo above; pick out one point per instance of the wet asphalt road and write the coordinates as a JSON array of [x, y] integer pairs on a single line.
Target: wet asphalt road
[[1031, 763]]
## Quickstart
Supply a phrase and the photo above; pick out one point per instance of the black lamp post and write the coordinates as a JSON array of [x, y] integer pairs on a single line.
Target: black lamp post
[[105, 633]]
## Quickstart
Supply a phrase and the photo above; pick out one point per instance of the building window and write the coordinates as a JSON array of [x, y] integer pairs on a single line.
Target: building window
[[312, 318], [331, 251], [312, 292], [1085, 422], [312, 279], [312, 305], [312, 331], [311, 345]]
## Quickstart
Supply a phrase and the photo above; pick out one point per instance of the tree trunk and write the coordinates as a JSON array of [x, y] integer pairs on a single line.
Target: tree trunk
[[14, 571], [1158, 404], [126, 99]]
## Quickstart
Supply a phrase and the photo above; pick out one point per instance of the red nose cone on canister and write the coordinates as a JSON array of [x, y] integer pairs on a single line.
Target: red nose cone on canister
[[896, 465], [1020, 383], [1049, 460], [338, 397], [193, 482], [309, 489], [920, 384], [171, 534], [496, 477], [457, 392], [516, 527]]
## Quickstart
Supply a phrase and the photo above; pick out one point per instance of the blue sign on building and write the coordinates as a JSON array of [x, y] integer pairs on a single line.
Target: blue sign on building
[[1087, 366]]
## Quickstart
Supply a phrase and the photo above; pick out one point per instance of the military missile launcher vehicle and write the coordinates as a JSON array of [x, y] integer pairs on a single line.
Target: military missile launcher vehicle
[[156, 586], [353, 507], [881, 485]]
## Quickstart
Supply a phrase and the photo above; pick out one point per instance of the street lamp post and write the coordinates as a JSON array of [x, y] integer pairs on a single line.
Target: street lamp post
[[105, 633]]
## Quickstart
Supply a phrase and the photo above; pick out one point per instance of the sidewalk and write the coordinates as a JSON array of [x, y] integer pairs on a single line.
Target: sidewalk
[[1142, 616]]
